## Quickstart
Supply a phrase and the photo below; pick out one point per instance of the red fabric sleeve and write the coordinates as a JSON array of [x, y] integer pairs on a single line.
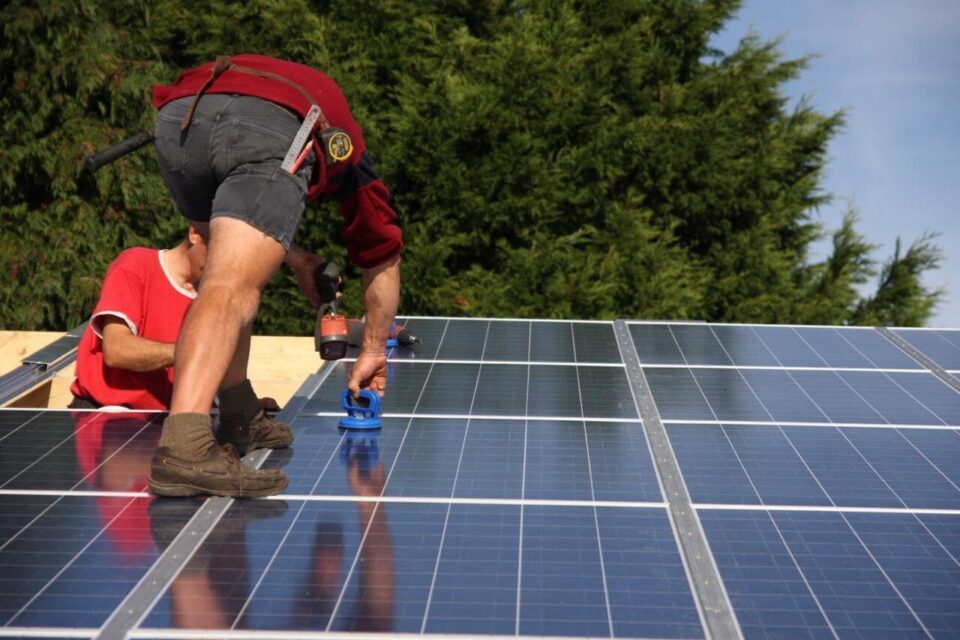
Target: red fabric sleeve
[[122, 292], [370, 230]]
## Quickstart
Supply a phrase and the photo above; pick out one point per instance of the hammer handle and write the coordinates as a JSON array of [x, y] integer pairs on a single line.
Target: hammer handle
[[122, 148]]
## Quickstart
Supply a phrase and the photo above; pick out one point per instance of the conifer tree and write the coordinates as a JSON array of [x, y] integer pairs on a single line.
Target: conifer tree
[[551, 158]]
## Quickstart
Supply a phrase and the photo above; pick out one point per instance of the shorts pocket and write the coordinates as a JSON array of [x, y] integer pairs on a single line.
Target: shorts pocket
[[173, 144], [254, 141]]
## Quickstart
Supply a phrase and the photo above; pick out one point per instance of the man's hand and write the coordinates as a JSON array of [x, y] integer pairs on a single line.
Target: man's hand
[[381, 294], [369, 372]]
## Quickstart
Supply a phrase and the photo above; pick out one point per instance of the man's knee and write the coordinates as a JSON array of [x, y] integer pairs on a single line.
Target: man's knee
[[240, 300]]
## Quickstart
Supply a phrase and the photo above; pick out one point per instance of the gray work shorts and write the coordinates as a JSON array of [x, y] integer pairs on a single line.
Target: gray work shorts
[[227, 163]]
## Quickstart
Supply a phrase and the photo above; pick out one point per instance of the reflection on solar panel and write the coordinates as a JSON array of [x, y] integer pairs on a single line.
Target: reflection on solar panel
[[532, 478]]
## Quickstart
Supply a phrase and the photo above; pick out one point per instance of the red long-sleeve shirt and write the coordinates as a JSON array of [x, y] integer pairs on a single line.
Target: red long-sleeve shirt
[[370, 227]]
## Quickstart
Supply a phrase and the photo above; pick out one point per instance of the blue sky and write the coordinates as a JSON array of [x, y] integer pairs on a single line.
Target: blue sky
[[894, 66]]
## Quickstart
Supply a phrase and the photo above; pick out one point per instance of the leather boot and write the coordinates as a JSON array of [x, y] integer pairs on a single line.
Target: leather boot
[[219, 473], [247, 426]]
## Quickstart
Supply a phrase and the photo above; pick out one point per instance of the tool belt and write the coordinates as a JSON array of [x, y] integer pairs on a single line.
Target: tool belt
[[223, 64], [336, 145]]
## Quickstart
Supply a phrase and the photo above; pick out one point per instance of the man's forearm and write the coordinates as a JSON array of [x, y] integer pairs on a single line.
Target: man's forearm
[[135, 353], [381, 296], [297, 258]]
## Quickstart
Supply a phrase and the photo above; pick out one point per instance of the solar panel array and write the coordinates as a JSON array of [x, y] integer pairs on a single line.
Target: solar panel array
[[513, 490]]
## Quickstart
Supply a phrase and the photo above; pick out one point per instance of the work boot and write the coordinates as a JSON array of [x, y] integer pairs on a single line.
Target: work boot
[[219, 473], [262, 432], [245, 425]]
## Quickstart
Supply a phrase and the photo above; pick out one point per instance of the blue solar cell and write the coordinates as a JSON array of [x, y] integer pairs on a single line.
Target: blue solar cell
[[781, 396], [941, 448], [709, 465], [940, 346], [858, 599], [621, 463], [933, 394], [492, 463], [744, 345], [888, 398], [317, 444], [927, 577], [767, 591], [508, 340], [950, 335], [595, 343], [833, 347], [557, 466], [914, 479], [561, 585], [677, 395], [502, 390], [788, 347], [647, 587], [477, 576], [847, 478], [655, 344], [449, 389], [18, 512], [50, 579], [389, 584], [775, 469], [605, 393], [699, 344], [426, 464], [463, 340], [836, 399], [554, 391], [946, 530], [552, 342], [11, 421], [22, 448], [730, 397]]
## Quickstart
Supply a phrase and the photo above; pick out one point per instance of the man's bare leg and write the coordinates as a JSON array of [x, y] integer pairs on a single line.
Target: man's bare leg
[[237, 370], [188, 461], [240, 261]]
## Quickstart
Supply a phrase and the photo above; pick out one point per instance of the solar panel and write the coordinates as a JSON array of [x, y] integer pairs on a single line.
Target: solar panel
[[532, 478]]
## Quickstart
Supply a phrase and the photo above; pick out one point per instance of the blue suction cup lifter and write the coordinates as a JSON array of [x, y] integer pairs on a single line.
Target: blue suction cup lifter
[[364, 413]]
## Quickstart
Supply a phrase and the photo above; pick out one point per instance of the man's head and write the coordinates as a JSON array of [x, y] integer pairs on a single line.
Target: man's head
[[197, 237]]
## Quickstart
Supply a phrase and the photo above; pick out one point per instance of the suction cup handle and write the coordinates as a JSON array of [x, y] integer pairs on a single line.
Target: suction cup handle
[[367, 402]]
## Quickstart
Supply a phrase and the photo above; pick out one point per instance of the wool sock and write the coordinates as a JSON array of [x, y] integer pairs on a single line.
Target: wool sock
[[189, 435], [238, 404]]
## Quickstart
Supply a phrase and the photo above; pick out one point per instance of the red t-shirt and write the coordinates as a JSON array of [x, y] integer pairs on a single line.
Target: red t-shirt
[[138, 290], [370, 229]]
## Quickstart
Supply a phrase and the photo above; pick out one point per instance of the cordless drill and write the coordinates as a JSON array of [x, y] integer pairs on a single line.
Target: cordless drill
[[330, 338]]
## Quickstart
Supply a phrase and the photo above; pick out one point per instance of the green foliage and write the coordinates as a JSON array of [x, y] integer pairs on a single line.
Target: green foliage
[[547, 158]]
